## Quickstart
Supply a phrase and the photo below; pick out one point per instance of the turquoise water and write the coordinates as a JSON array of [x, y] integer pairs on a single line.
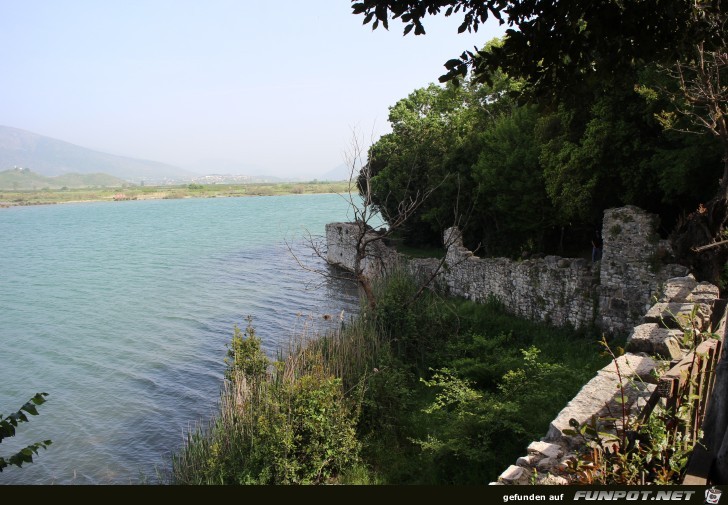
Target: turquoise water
[[122, 312]]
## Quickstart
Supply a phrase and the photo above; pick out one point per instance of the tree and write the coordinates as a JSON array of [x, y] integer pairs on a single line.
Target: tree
[[427, 126], [513, 207], [570, 53], [553, 45], [374, 224], [10, 423]]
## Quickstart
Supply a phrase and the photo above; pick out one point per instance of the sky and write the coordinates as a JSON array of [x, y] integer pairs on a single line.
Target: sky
[[215, 86]]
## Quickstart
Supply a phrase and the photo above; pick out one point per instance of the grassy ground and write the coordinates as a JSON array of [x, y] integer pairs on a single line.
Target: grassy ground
[[43, 197]]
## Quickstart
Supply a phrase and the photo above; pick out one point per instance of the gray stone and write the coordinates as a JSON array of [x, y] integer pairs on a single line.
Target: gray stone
[[678, 289], [678, 315], [513, 475], [547, 464], [546, 449], [655, 340], [705, 293], [553, 480], [631, 366], [597, 397]]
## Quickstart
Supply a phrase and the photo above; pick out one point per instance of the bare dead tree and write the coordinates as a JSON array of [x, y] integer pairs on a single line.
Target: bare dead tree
[[702, 98], [373, 225]]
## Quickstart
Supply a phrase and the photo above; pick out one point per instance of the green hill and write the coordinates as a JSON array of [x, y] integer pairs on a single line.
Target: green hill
[[26, 179]]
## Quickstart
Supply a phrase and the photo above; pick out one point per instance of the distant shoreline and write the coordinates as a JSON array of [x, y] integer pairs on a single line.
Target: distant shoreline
[[22, 198]]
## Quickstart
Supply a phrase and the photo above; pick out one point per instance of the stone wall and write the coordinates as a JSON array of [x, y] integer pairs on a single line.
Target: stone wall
[[633, 269], [612, 293], [556, 290], [341, 245], [649, 345]]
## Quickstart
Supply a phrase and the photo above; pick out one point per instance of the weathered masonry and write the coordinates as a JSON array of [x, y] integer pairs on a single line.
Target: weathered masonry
[[654, 345], [612, 293]]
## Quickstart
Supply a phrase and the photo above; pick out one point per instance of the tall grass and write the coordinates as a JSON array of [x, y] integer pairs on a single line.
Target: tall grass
[[295, 423]]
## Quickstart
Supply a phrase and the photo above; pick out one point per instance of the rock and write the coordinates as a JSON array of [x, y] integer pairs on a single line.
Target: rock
[[513, 475], [630, 366], [676, 315], [528, 460], [546, 449], [655, 340], [553, 480], [678, 289], [597, 397], [704, 292], [547, 464]]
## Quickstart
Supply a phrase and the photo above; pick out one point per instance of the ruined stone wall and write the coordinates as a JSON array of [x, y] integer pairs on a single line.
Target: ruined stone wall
[[633, 269], [341, 244], [612, 293], [649, 345], [556, 290]]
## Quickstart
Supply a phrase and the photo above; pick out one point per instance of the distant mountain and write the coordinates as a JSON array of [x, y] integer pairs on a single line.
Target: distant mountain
[[51, 157], [24, 178], [340, 173]]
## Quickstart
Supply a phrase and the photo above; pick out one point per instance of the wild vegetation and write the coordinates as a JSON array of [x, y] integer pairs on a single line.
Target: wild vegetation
[[430, 391]]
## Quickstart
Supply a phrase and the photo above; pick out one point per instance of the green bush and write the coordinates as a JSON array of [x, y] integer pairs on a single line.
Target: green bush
[[309, 434], [289, 423]]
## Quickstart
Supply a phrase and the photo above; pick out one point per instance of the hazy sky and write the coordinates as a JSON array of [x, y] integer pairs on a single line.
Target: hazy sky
[[273, 87]]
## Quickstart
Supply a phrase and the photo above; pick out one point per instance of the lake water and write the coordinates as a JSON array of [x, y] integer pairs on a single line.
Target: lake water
[[122, 312]]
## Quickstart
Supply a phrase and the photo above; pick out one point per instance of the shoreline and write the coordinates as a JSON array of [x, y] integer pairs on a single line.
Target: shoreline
[[10, 199]]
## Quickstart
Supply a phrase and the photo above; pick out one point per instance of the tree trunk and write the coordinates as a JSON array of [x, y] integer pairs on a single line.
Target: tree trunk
[[366, 286]]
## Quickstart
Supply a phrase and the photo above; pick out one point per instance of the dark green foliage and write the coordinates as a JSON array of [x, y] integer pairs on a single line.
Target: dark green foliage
[[521, 178], [562, 118], [245, 355], [513, 208], [8, 425], [559, 46]]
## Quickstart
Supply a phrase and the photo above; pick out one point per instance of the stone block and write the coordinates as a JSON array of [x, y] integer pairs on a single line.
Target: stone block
[[655, 340], [513, 475], [546, 449], [631, 366], [547, 464], [528, 460], [677, 315], [704, 292], [553, 480], [597, 397], [678, 289]]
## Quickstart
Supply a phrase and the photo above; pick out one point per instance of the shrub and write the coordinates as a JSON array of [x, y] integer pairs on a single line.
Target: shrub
[[289, 423]]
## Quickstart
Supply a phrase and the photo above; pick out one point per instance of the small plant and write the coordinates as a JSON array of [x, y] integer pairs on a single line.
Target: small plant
[[245, 355], [10, 423]]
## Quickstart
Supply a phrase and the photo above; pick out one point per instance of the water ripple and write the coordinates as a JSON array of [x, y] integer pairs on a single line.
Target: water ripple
[[123, 312]]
